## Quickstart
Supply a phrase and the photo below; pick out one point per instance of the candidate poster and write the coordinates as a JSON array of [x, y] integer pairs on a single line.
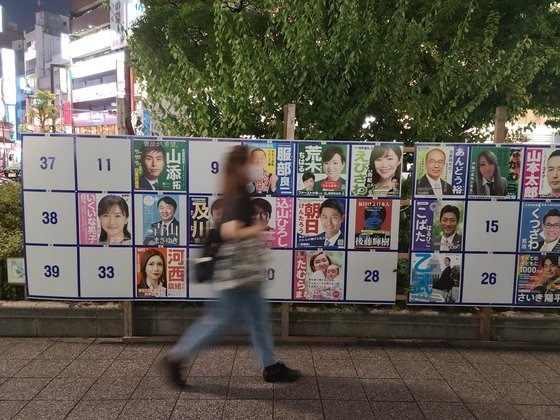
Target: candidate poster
[[319, 275], [320, 223], [272, 168], [277, 215], [376, 170], [538, 280], [205, 214], [322, 169], [542, 173], [495, 172], [441, 170], [105, 219], [161, 218], [540, 227], [435, 278], [373, 220], [160, 165], [438, 225], [161, 272]]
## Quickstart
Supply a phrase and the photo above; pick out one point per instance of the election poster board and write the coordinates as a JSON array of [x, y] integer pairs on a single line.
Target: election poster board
[[491, 234], [125, 217]]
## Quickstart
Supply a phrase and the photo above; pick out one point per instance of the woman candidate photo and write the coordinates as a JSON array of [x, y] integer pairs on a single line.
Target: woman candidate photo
[[333, 164], [112, 211], [384, 165], [488, 181], [153, 274]]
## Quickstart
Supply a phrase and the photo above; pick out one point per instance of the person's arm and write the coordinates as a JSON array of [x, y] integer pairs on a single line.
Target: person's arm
[[236, 229]]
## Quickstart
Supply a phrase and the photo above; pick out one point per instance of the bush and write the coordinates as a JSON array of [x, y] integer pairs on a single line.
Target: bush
[[11, 233]]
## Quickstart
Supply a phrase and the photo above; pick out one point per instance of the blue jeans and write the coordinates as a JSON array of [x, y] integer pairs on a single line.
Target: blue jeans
[[233, 304]]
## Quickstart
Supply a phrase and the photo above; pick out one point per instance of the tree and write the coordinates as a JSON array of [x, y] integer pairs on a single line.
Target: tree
[[426, 70], [44, 110]]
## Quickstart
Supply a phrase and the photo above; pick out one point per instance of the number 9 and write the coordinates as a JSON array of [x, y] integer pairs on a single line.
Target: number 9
[[214, 167]]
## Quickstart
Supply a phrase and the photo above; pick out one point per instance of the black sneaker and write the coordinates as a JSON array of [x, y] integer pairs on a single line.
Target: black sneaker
[[173, 369], [279, 372]]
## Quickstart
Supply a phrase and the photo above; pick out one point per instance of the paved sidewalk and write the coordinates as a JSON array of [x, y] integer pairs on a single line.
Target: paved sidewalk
[[105, 379]]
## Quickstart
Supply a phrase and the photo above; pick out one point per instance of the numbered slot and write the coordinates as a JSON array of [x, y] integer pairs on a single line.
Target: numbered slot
[[50, 218], [52, 271], [106, 273], [278, 274], [488, 279], [371, 276], [49, 163], [205, 165], [492, 226], [103, 164]]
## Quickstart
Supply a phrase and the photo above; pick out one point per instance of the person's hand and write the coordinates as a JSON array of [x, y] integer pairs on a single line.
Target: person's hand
[[259, 224]]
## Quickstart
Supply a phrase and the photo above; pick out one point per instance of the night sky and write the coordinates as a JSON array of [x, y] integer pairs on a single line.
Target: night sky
[[22, 12]]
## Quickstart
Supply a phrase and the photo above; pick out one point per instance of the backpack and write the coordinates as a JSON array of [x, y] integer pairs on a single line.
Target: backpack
[[206, 265]]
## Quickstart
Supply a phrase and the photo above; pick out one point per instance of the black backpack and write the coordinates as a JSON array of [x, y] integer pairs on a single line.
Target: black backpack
[[206, 265]]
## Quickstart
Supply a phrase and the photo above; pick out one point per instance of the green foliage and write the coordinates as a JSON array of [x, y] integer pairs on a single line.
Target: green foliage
[[44, 110], [427, 70], [11, 235]]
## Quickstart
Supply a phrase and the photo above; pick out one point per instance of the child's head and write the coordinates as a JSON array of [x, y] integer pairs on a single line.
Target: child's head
[[332, 272], [308, 181]]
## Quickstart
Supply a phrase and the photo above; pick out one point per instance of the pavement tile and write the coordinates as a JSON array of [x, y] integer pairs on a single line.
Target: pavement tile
[[443, 354], [96, 410], [475, 391], [538, 374], [516, 357], [405, 353], [140, 352], [494, 411], [22, 388], [551, 358], [217, 352], [215, 367], [248, 409], [431, 390], [245, 387], [45, 410], [539, 411], [457, 371], [155, 387], [69, 389], [147, 409], [298, 409], [27, 350], [416, 369], [480, 356], [246, 366], [288, 352], [42, 368], [499, 373], [126, 367], [368, 353], [386, 390], [112, 388], [9, 367], [81, 340], [329, 352], [2, 380], [102, 350], [340, 368], [206, 387], [61, 351], [341, 389], [157, 368], [445, 411], [375, 369], [396, 410], [9, 409], [552, 391], [347, 409], [85, 368], [198, 409], [10, 341], [522, 393], [305, 388]]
